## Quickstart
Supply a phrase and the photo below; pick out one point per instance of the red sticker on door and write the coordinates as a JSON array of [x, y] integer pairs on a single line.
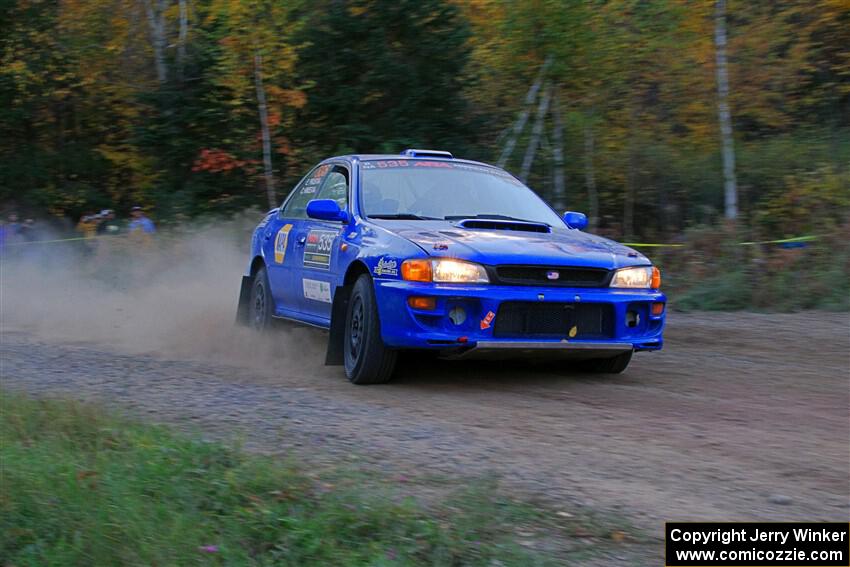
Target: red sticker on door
[[487, 320]]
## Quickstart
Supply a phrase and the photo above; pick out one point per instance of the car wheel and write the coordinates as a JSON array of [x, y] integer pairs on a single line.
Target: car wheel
[[613, 365], [367, 358], [260, 308]]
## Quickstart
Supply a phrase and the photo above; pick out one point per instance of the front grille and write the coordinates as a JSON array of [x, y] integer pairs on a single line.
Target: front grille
[[554, 320], [552, 276]]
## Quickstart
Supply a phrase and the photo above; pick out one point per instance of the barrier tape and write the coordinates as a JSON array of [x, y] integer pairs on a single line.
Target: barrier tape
[[51, 241], [633, 244], [783, 241], [76, 238], [793, 240]]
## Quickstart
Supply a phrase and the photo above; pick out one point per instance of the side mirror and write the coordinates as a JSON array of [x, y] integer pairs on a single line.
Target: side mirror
[[326, 209], [575, 220]]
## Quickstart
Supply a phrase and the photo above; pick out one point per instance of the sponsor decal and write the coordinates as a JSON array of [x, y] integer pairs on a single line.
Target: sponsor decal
[[386, 267], [397, 163], [487, 321], [317, 290], [433, 164], [441, 246], [317, 251], [280, 241], [573, 331], [552, 275]]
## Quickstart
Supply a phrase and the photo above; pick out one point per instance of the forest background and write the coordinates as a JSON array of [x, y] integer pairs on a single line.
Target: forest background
[[665, 121]]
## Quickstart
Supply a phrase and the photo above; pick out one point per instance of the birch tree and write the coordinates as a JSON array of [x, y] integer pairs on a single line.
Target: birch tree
[[590, 171], [264, 129], [559, 195], [256, 59], [522, 119], [730, 187], [536, 133], [155, 12], [182, 37]]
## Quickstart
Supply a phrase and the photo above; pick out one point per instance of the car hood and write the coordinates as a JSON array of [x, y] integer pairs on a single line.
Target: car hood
[[560, 247]]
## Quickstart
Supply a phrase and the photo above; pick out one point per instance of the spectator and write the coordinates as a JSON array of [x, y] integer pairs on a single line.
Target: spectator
[[27, 231], [13, 229], [140, 223], [107, 225], [87, 226]]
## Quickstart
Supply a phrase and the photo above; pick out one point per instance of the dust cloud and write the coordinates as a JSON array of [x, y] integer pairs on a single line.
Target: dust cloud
[[173, 296]]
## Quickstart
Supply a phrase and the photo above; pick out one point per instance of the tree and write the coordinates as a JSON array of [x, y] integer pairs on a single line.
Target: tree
[[257, 49], [730, 186], [383, 75]]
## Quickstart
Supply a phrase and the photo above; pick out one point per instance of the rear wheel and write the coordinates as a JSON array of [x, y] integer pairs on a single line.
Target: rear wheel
[[367, 358], [260, 308], [613, 365]]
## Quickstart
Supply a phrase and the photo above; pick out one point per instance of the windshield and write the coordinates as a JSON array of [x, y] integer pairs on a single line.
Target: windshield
[[425, 189]]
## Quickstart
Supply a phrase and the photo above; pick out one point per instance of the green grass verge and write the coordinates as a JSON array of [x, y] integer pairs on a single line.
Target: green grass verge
[[82, 487]]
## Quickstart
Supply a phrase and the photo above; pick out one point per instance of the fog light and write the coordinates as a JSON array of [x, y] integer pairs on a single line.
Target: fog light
[[657, 308], [423, 303], [457, 315], [632, 319]]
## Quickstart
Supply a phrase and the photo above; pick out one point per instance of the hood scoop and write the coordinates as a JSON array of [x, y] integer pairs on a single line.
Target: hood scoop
[[496, 224]]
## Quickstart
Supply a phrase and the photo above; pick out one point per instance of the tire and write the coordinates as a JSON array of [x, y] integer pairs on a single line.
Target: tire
[[260, 306], [367, 360], [614, 365]]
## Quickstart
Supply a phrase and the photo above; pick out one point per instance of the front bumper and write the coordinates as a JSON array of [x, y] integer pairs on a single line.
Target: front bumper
[[406, 327], [540, 349]]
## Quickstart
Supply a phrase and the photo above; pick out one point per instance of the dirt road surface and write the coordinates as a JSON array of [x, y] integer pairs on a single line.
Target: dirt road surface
[[741, 417]]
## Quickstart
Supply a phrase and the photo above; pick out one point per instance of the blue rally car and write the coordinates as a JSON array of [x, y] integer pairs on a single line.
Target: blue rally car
[[424, 251]]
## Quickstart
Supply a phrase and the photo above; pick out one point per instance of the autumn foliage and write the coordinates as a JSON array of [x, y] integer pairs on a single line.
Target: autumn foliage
[[175, 103]]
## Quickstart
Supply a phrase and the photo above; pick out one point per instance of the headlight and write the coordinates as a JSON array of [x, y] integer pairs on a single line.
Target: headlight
[[643, 277], [443, 271], [453, 271]]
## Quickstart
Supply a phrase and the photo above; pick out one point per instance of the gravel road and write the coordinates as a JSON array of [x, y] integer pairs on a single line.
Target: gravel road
[[741, 417]]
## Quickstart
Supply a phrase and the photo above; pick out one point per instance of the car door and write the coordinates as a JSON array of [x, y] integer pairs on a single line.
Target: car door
[[281, 249], [318, 244]]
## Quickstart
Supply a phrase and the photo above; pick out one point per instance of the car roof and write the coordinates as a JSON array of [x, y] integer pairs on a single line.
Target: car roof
[[368, 157]]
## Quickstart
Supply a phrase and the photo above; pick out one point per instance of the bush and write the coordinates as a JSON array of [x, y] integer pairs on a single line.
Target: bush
[[714, 271]]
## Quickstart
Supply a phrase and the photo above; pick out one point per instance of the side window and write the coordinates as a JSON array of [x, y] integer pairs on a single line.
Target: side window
[[296, 206], [335, 187]]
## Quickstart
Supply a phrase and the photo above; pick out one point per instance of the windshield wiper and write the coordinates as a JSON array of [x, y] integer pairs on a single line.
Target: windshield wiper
[[401, 216], [492, 216]]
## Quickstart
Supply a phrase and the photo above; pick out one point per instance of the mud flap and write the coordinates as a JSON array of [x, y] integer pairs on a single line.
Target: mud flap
[[339, 311], [242, 308]]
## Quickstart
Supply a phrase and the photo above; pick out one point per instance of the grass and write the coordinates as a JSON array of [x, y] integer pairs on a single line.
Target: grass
[[82, 487], [711, 272]]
